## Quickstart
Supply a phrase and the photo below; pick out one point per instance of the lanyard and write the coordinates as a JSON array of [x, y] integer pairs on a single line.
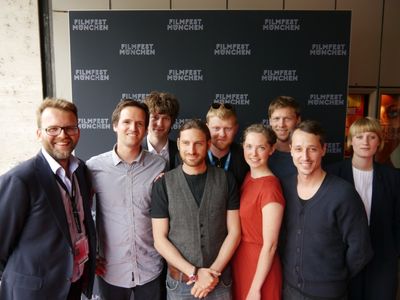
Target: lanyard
[[227, 161], [71, 197]]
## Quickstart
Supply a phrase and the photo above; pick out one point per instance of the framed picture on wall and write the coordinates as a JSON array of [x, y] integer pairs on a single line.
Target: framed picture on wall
[[389, 117]]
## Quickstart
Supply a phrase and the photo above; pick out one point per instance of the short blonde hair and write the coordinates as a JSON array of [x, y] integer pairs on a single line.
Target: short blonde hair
[[57, 103], [366, 124], [222, 111], [284, 102]]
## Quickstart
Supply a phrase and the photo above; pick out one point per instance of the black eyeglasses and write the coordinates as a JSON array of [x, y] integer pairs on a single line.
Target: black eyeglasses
[[217, 105], [56, 130]]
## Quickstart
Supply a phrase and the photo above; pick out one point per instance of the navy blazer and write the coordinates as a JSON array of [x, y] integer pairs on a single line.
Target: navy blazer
[[172, 151], [380, 275], [36, 253]]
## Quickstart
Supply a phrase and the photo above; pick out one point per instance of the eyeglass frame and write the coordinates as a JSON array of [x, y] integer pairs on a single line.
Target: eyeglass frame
[[74, 130]]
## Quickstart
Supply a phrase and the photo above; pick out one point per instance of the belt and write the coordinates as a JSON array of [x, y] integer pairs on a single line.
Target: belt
[[177, 275]]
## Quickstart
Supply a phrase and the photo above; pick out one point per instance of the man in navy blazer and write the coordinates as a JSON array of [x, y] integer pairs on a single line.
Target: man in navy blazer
[[47, 234]]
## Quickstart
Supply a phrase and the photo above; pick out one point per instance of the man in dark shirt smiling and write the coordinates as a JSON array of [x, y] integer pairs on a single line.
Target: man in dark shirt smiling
[[325, 235]]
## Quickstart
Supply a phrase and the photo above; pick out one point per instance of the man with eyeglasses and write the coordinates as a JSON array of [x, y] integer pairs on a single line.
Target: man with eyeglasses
[[128, 263], [224, 152], [284, 116], [48, 239]]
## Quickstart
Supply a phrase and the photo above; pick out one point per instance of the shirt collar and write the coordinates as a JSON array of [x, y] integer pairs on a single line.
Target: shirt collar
[[117, 160], [151, 148], [56, 168]]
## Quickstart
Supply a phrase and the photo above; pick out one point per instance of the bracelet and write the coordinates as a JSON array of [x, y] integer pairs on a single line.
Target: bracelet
[[193, 277]]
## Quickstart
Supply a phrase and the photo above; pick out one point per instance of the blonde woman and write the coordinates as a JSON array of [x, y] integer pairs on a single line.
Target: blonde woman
[[378, 186]]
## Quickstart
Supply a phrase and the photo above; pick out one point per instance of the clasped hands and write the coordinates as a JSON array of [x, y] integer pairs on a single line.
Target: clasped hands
[[207, 280]]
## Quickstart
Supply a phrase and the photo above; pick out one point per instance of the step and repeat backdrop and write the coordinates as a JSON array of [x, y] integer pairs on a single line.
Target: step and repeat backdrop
[[245, 58]]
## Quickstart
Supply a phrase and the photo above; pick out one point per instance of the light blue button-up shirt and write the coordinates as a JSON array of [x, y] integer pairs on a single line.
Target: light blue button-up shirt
[[123, 197]]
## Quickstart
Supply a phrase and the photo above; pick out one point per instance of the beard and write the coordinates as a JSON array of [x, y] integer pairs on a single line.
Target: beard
[[193, 162], [58, 154]]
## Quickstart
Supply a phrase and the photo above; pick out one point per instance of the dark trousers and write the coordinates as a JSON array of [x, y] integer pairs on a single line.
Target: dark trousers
[[75, 291], [290, 293], [151, 290]]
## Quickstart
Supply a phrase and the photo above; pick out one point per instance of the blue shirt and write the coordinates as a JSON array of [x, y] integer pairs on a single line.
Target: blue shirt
[[123, 216]]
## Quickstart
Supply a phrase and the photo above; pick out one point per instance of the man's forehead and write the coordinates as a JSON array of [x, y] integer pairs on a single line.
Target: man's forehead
[[299, 136], [216, 121], [283, 111], [132, 112], [192, 133], [52, 113], [161, 115]]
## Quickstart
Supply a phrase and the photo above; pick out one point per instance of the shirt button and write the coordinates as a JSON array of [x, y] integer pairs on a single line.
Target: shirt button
[[298, 285], [298, 250], [298, 231]]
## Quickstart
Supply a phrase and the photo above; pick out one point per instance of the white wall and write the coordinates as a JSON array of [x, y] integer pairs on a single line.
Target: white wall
[[20, 81]]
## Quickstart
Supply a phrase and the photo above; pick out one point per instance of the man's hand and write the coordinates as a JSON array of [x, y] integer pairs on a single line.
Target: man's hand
[[207, 280]]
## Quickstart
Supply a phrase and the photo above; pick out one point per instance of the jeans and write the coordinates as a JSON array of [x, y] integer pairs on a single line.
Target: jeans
[[178, 290]]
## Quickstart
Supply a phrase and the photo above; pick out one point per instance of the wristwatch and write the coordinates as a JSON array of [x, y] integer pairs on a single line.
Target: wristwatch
[[193, 276]]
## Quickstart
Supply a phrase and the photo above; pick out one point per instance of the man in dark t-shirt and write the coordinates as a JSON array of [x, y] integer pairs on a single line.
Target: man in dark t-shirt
[[284, 116], [195, 217]]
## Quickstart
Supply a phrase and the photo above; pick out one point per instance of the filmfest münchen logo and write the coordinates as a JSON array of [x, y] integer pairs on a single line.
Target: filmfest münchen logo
[[90, 25], [91, 75], [328, 50], [232, 49], [185, 75], [281, 25], [279, 75], [185, 25], [137, 49], [334, 148], [233, 98], [94, 123], [135, 96], [178, 123], [326, 99]]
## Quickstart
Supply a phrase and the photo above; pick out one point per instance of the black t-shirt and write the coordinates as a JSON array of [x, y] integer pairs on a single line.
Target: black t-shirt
[[159, 196]]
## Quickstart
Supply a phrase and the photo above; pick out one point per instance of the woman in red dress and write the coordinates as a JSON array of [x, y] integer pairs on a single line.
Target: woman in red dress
[[256, 266]]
